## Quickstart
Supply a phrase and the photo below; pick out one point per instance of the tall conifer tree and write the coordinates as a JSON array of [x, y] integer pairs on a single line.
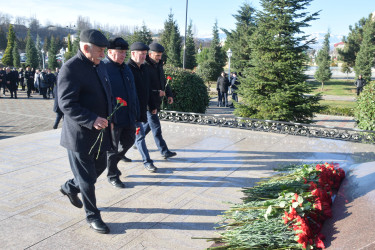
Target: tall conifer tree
[[174, 48], [238, 39], [324, 73], [8, 53], [366, 54], [190, 60], [274, 89], [16, 55], [69, 52], [3, 40], [52, 51], [170, 25], [31, 52]]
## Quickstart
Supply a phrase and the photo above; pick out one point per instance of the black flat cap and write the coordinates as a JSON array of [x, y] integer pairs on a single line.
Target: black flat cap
[[118, 43], [139, 46], [156, 47], [94, 36]]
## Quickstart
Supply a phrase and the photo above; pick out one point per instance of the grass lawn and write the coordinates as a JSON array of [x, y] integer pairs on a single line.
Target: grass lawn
[[344, 108], [334, 87], [341, 104]]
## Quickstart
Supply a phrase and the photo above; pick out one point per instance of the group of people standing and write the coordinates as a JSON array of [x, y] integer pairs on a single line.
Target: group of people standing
[[87, 89], [40, 81], [226, 85]]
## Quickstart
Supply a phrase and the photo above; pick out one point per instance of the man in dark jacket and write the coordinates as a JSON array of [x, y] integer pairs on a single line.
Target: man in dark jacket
[[11, 78], [2, 80], [142, 84], [122, 84], [360, 83], [84, 96], [234, 85], [29, 76], [222, 88], [159, 89]]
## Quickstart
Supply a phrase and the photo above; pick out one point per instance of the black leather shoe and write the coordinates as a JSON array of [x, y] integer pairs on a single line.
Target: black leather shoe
[[126, 159], [116, 183], [99, 226], [150, 167], [73, 199], [169, 154]]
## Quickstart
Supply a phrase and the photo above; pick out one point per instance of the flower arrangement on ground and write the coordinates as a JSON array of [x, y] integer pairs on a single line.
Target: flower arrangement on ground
[[286, 211]]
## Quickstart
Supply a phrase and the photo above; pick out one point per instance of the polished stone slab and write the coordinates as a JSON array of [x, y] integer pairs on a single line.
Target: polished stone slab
[[163, 210]]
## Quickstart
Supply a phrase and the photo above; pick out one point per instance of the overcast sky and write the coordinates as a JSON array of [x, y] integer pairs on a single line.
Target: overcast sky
[[336, 15]]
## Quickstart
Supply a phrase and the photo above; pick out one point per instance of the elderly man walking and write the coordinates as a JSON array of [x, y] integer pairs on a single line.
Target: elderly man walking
[[142, 84], [84, 96], [159, 89], [122, 84]]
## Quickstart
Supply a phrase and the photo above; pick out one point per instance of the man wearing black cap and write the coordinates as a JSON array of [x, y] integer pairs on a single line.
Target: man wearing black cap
[[122, 84], [84, 96], [142, 84], [159, 89]]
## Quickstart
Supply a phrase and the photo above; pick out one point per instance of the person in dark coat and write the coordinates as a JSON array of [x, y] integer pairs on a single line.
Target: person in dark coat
[[122, 85], [234, 85], [21, 78], [360, 83], [222, 88], [51, 79], [11, 82], [159, 89], [142, 84], [84, 96], [43, 83], [2, 80], [29, 76]]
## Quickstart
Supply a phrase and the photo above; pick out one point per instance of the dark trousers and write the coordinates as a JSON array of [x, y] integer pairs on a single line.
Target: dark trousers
[[123, 139], [30, 87], [59, 115], [86, 169], [224, 96], [359, 90], [153, 124], [219, 99], [234, 97], [43, 91]]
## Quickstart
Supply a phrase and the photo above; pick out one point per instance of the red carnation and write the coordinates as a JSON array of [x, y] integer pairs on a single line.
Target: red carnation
[[169, 78]]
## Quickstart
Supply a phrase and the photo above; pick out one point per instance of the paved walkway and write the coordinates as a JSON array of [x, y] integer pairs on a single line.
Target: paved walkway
[[163, 210]]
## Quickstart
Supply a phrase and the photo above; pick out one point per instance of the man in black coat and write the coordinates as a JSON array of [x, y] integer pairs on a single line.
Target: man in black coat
[[29, 76], [11, 78], [2, 80], [84, 96], [122, 85], [142, 84], [222, 88], [159, 89], [360, 83]]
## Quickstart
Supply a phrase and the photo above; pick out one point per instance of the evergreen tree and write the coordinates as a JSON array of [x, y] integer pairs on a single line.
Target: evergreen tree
[[39, 51], [8, 55], [69, 51], [211, 69], [31, 52], [275, 88], [190, 60], [238, 39], [174, 48], [365, 57], [346, 69], [323, 73], [52, 61], [143, 35], [16, 55], [352, 43], [46, 44], [165, 36], [76, 43], [3, 40]]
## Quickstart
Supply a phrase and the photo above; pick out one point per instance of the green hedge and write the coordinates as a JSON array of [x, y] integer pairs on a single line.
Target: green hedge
[[365, 109], [189, 91]]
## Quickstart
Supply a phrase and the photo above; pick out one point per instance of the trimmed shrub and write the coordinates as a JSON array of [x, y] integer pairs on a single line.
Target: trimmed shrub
[[189, 91], [365, 109]]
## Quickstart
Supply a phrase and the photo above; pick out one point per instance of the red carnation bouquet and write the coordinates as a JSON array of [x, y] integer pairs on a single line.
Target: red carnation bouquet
[[119, 103]]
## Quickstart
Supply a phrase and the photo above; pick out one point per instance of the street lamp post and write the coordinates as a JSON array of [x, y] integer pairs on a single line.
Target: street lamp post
[[184, 55], [42, 57], [229, 54]]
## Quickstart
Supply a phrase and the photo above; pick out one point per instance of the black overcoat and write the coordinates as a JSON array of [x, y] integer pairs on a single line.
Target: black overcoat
[[83, 94]]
